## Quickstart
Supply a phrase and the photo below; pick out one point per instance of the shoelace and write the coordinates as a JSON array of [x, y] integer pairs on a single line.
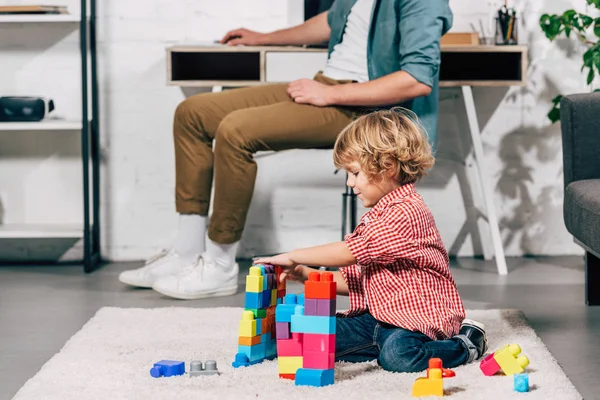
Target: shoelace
[[163, 253], [192, 270]]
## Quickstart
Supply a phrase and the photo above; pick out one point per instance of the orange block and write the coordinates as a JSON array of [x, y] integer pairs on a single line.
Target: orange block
[[320, 286], [249, 341]]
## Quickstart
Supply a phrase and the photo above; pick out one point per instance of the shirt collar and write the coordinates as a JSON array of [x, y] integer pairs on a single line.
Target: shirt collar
[[394, 195]]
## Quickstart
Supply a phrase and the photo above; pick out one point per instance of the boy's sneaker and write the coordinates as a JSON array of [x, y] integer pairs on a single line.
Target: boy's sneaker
[[200, 279], [163, 264], [475, 331]]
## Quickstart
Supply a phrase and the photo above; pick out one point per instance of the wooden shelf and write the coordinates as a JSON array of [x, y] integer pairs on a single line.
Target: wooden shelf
[[47, 125], [33, 231], [24, 18]]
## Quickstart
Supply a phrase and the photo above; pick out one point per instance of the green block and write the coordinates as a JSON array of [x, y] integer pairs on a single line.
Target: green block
[[258, 312]]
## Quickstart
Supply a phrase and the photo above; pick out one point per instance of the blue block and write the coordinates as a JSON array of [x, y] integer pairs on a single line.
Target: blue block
[[290, 298], [258, 326], [167, 368], [254, 353], [521, 382], [253, 300], [300, 300], [279, 301], [266, 298], [313, 324], [271, 349], [241, 360], [284, 312], [264, 338], [314, 377], [299, 310]]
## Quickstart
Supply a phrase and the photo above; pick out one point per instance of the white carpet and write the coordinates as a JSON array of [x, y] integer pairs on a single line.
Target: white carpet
[[109, 358]]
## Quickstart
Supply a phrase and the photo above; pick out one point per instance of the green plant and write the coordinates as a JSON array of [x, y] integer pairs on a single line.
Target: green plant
[[587, 30]]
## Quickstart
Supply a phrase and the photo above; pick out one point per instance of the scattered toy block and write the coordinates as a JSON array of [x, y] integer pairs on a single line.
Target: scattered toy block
[[209, 368], [437, 363], [314, 377], [429, 386], [509, 360], [521, 382], [489, 366], [167, 368]]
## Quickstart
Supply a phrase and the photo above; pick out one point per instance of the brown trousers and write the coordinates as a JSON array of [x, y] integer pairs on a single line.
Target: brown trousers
[[241, 122]]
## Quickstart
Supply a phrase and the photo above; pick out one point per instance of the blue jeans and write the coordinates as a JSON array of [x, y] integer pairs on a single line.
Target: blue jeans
[[363, 338]]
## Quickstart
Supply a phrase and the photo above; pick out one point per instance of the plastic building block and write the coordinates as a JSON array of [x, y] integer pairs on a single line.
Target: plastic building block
[[288, 376], [509, 360], [254, 353], [319, 342], [437, 363], [254, 300], [241, 360], [489, 366], [167, 368], [310, 306], [317, 359], [314, 377], [254, 281], [283, 330], [247, 324], [313, 324], [431, 385], [290, 347], [326, 307], [249, 341], [209, 368], [289, 365], [320, 286], [258, 312], [300, 299], [521, 382]]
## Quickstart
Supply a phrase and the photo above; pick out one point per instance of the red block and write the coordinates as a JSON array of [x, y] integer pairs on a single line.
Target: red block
[[288, 376], [319, 342], [318, 360], [489, 366], [320, 286]]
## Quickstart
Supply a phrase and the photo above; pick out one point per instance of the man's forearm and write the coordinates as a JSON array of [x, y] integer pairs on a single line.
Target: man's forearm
[[314, 31], [390, 89]]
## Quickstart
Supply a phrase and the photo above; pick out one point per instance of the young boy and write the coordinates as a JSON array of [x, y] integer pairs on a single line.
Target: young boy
[[404, 305]]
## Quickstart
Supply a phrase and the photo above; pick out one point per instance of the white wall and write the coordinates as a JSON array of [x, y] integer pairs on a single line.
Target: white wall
[[297, 197]]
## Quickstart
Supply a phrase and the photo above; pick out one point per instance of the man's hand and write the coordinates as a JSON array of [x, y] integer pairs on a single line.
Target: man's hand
[[290, 270], [243, 36], [308, 91]]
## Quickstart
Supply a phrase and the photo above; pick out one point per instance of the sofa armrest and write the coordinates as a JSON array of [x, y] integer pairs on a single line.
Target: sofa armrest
[[580, 125]]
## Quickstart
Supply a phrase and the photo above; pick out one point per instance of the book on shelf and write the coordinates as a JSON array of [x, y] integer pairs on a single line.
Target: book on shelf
[[33, 9]]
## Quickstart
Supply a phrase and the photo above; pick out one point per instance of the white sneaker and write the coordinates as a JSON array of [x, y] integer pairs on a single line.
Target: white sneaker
[[201, 279], [162, 264]]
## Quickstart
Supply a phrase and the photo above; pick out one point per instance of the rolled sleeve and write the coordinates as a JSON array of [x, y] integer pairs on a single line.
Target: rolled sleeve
[[421, 26], [352, 276]]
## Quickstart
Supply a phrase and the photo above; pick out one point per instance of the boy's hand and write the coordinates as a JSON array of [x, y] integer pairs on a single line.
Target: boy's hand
[[291, 270]]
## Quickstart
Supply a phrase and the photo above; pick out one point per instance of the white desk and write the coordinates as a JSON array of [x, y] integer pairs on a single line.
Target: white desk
[[462, 66]]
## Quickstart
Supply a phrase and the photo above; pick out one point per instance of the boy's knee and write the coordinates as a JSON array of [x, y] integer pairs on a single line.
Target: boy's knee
[[408, 360]]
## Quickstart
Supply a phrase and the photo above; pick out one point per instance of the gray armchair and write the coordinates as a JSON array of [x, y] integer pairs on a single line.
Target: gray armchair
[[580, 123]]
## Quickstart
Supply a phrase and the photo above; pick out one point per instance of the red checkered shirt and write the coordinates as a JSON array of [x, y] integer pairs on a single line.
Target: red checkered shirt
[[402, 276]]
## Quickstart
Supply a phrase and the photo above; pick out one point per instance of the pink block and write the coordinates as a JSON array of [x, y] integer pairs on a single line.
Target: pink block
[[326, 307], [310, 306], [319, 342], [283, 330], [489, 366], [289, 348], [318, 360]]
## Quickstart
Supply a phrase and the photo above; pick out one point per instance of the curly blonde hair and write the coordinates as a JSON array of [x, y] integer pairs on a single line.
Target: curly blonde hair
[[386, 141]]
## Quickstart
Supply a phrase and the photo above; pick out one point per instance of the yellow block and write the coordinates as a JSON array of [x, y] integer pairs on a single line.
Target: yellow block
[[432, 386], [254, 280], [289, 365], [509, 360], [247, 324], [274, 297]]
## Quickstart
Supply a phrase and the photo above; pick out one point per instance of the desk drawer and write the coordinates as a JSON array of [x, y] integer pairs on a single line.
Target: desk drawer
[[285, 66]]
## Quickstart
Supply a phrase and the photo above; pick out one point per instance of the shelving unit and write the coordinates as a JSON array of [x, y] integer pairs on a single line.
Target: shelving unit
[[89, 231]]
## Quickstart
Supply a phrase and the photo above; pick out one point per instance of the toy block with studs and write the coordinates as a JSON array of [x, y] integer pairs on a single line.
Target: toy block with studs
[[320, 286], [199, 369], [167, 368], [505, 359], [257, 341], [521, 383], [432, 384]]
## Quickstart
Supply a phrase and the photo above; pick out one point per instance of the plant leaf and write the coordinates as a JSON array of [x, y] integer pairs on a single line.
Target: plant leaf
[[554, 114], [590, 76]]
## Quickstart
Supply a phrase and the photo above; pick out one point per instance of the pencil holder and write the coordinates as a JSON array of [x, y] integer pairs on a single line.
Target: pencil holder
[[507, 31]]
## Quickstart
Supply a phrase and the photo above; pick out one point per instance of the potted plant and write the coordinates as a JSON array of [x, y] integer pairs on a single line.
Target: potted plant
[[587, 30]]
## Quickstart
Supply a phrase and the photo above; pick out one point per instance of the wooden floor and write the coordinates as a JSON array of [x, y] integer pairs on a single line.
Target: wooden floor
[[41, 307]]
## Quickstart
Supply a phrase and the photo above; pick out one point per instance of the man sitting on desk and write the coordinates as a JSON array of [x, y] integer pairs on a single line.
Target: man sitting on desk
[[381, 53]]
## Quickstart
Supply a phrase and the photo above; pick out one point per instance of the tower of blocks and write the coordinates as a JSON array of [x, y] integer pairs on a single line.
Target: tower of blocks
[[305, 327], [257, 327]]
